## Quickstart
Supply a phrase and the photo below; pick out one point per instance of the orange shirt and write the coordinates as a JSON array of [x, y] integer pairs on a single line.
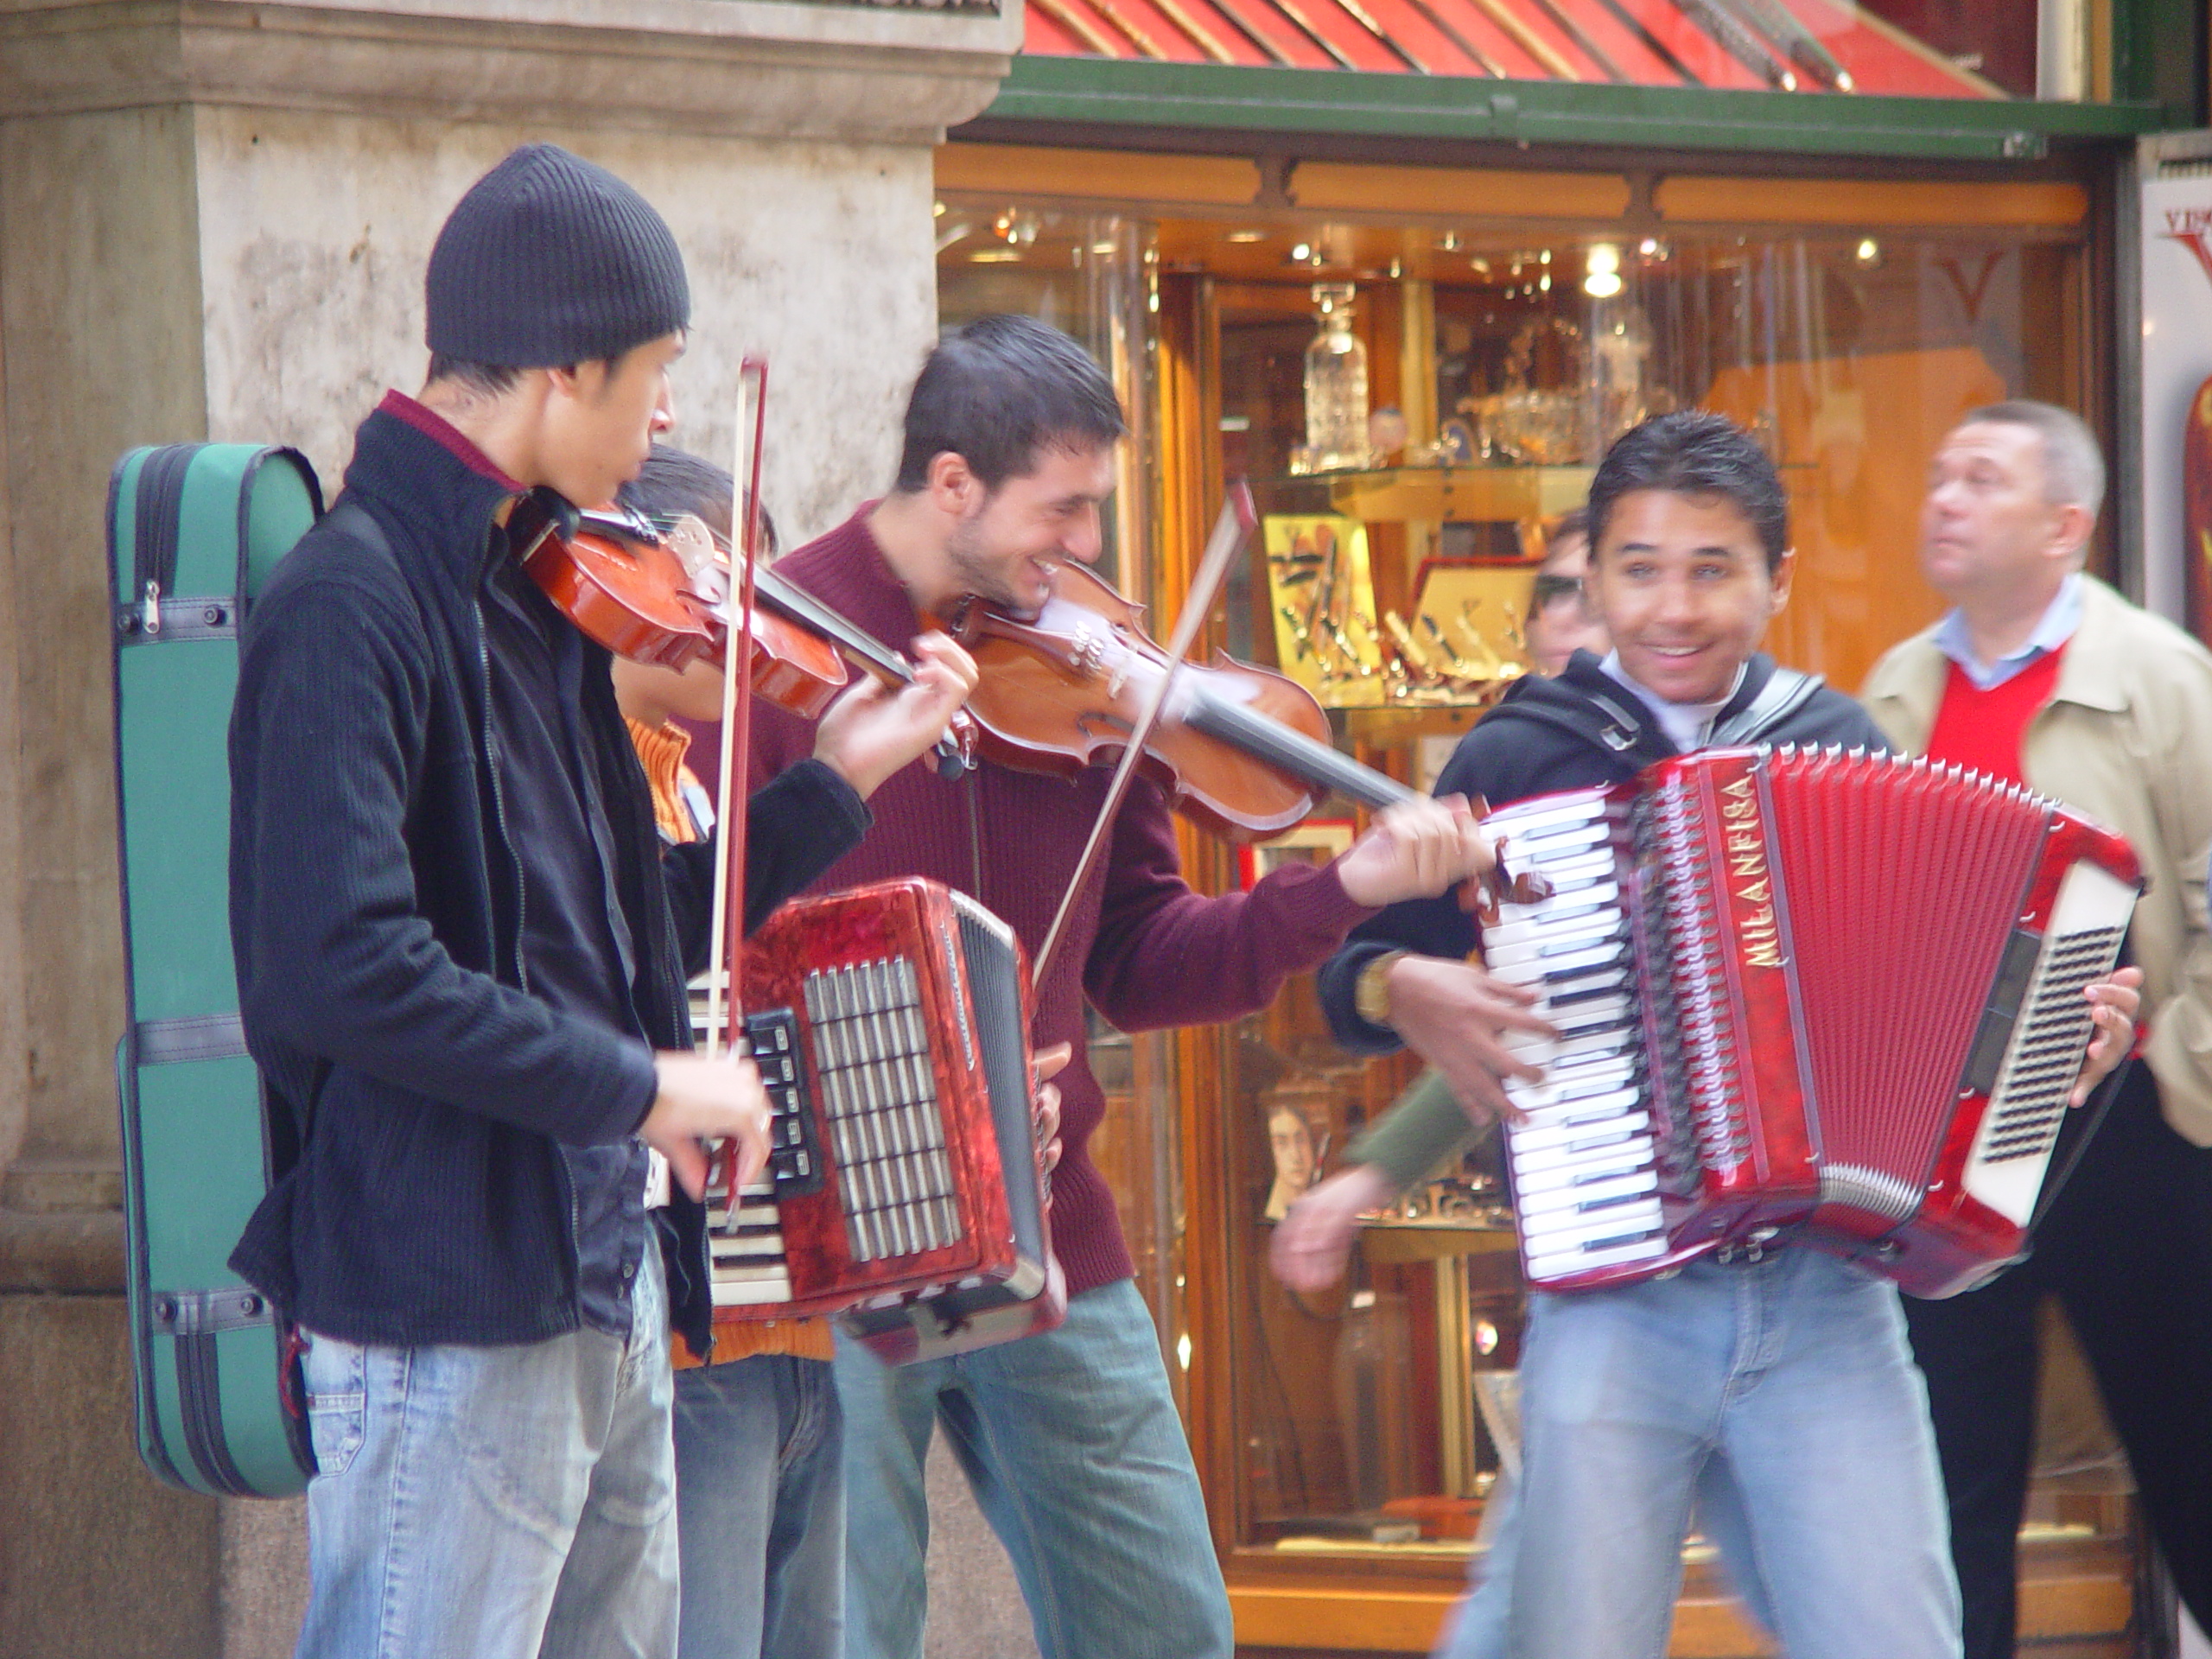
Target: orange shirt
[[661, 750]]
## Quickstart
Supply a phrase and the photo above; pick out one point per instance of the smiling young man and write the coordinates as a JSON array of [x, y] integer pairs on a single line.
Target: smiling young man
[[460, 963], [1070, 1437], [1774, 1388]]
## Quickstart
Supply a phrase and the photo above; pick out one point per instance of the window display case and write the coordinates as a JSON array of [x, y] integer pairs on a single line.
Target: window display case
[[1348, 1440]]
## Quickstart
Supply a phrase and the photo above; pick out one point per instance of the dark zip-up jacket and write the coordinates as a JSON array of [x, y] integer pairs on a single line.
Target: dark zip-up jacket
[[375, 918], [1582, 730]]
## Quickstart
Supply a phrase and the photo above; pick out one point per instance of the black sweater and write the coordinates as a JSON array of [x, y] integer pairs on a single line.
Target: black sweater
[[374, 900], [1583, 730]]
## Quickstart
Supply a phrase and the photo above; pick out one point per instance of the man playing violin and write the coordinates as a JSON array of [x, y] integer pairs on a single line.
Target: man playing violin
[[461, 962], [1070, 1437]]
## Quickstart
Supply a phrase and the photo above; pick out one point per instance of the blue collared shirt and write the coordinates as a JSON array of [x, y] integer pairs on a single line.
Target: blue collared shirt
[[2060, 619]]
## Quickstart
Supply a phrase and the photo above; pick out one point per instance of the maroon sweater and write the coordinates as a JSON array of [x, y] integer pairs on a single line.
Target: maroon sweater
[[1145, 949]]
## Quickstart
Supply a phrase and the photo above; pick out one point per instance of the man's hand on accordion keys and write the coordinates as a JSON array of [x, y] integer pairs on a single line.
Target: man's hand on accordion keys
[[1460, 1019], [1417, 849], [1045, 1064], [703, 1100], [2114, 1003]]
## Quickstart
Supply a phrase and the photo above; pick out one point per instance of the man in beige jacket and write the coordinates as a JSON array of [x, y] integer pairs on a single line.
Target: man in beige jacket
[[2045, 675]]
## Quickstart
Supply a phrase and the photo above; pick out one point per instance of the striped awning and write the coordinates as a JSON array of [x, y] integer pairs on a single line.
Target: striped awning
[[1811, 46]]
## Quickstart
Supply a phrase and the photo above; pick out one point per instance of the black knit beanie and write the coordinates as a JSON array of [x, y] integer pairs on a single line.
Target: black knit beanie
[[551, 260]]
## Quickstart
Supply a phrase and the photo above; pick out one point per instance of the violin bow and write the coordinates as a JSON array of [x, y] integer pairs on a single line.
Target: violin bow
[[726, 950], [1230, 531]]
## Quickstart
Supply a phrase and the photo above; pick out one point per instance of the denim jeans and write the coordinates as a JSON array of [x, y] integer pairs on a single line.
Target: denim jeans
[[494, 1503], [1078, 1460], [1775, 1395], [761, 1505]]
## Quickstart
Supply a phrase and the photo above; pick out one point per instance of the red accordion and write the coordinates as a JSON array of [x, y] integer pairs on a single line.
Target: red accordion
[[891, 1026], [1817, 991]]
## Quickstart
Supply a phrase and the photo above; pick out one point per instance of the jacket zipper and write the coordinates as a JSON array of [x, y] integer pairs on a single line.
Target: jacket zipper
[[522, 902]]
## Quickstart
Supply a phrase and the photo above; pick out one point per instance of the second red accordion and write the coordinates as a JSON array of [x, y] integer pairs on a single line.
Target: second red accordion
[[904, 1191], [1817, 992]]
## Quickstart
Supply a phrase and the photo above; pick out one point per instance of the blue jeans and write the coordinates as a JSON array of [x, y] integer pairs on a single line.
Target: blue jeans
[[1777, 1395], [760, 1504], [1079, 1462], [494, 1503]]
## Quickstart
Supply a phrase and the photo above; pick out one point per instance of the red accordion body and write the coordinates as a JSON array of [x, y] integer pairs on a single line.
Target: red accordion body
[[891, 1026], [1815, 990]]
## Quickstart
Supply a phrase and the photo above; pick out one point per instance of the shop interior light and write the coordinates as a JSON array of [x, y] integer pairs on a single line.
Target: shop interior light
[[937, 210], [1870, 251], [1601, 269], [1302, 250], [994, 256], [1247, 236]]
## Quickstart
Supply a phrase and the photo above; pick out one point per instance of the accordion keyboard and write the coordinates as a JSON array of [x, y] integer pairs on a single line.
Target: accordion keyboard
[[1585, 1162]]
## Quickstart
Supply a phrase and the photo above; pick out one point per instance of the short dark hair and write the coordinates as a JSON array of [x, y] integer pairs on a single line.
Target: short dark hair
[[673, 482], [997, 391], [2073, 464], [489, 378], [1695, 453]]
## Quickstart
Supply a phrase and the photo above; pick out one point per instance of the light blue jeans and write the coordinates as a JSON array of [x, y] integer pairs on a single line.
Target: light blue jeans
[[495, 1502], [1780, 1397], [1077, 1459], [760, 1506]]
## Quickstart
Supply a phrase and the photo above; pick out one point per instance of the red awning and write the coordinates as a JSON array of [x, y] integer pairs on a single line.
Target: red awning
[[1784, 45]]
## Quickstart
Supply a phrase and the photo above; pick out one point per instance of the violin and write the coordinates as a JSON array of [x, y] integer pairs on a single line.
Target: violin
[[1241, 751], [664, 597]]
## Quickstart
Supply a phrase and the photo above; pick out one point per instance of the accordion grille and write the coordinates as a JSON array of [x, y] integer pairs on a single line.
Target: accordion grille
[[878, 1090], [2029, 1102]]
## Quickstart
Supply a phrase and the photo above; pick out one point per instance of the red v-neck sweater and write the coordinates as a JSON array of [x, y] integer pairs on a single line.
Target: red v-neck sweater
[[1144, 948], [1984, 729]]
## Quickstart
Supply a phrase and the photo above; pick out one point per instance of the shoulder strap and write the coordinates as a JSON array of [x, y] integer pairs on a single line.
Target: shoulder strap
[[1614, 725], [1785, 692]]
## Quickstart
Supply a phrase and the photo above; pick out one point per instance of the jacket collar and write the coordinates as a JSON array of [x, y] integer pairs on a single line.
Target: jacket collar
[[2090, 675], [1625, 727], [430, 483]]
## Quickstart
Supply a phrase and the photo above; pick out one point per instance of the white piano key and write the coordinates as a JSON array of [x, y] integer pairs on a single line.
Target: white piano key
[[1517, 941], [1548, 1233], [1627, 1160], [751, 1293], [1544, 1268], [1550, 923], [1588, 1193], [1524, 817], [1548, 1050], [1542, 1160], [1540, 1138]]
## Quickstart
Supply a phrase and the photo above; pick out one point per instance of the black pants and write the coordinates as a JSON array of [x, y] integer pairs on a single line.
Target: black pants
[[2127, 1248]]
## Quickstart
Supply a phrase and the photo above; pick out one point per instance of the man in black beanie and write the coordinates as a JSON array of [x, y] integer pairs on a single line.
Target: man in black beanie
[[461, 959]]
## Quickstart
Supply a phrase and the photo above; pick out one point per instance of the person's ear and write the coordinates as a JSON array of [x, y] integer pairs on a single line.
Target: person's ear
[[2070, 531], [1778, 584], [953, 486]]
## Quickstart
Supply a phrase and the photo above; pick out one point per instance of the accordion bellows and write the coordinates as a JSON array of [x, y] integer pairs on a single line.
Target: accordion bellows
[[1821, 992]]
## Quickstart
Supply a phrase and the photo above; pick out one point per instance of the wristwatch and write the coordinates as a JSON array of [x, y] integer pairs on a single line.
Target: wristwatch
[[1371, 992]]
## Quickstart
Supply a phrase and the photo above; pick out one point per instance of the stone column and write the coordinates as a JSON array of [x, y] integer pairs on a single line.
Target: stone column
[[214, 220]]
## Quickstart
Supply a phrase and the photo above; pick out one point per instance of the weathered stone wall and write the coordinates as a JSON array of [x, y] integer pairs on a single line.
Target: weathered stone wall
[[315, 231], [213, 219]]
